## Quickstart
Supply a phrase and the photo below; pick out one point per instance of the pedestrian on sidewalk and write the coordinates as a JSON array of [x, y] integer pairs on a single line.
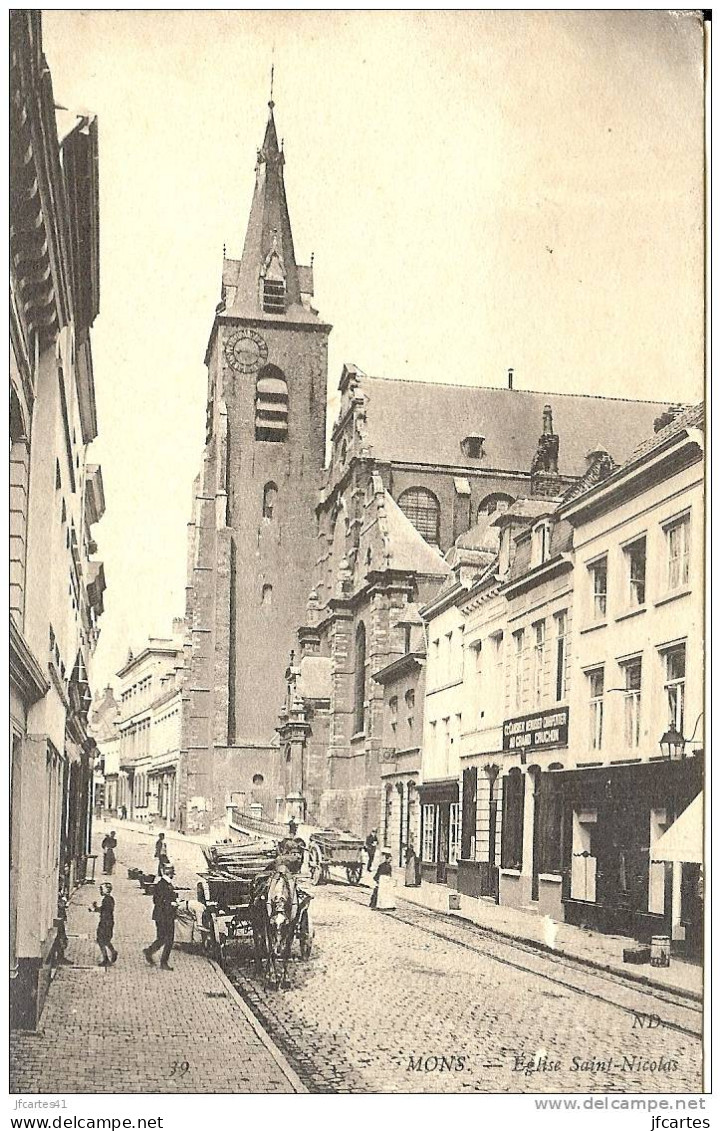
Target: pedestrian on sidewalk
[[413, 868], [106, 926], [382, 897], [165, 903], [161, 854], [109, 845], [371, 846]]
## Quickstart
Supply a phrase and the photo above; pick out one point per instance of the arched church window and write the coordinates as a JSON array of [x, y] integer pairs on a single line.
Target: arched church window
[[267, 595], [422, 508], [271, 405], [258, 779], [494, 504], [360, 679], [270, 493]]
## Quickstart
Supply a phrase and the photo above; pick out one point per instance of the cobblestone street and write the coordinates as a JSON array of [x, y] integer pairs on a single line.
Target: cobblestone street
[[383, 991], [383, 999]]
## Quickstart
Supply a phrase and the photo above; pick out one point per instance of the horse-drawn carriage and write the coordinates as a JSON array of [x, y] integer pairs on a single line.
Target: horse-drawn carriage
[[331, 849], [248, 894]]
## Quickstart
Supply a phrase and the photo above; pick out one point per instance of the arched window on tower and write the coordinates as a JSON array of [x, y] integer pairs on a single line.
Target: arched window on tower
[[266, 597], [422, 508], [270, 493], [271, 405], [360, 679]]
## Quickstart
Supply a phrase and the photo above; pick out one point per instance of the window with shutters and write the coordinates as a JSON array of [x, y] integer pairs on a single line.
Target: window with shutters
[[271, 405], [421, 507], [274, 296], [551, 821], [561, 620], [512, 826]]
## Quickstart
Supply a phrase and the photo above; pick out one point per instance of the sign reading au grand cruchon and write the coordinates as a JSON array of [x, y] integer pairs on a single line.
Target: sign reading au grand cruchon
[[537, 732]]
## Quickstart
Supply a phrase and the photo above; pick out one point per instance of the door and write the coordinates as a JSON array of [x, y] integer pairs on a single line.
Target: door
[[470, 806], [444, 826]]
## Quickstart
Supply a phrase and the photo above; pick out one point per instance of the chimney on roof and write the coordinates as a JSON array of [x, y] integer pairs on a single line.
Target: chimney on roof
[[667, 417], [510, 378]]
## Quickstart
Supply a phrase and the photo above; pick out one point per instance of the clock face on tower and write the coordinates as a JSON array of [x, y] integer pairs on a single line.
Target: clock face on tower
[[246, 351]]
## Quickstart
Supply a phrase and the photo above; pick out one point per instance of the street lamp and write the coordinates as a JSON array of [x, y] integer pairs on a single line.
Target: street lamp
[[672, 744]]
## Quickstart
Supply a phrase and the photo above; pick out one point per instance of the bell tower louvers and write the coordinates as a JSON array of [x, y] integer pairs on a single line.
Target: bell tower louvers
[[252, 539]]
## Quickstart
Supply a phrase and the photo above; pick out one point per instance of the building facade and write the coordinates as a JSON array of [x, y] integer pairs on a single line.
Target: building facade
[[56, 498], [582, 742], [639, 675], [149, 730]]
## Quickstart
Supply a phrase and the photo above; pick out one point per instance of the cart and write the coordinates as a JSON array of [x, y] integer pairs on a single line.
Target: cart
[[331, 849], [228, 889]]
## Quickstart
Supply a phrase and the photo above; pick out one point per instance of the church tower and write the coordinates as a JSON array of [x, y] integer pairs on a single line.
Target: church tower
[[252, 540]]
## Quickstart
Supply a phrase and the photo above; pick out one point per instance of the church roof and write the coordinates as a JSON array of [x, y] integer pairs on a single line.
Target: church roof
[[420, 422], [408, 550]]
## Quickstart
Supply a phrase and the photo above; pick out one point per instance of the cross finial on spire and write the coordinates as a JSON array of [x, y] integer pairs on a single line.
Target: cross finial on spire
[[271, 103]]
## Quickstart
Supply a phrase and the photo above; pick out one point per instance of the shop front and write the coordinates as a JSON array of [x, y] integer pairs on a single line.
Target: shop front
[[440, 831], [613, 816]]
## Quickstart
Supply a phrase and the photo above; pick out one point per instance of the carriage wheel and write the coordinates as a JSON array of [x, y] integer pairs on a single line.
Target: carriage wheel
[[354, 873], [315, 865], [213, 945], [305, 936]]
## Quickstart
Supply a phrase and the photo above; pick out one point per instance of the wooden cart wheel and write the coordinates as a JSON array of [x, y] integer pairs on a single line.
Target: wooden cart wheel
[[305, 935], [354, 873], [213, 944], [315, 865]]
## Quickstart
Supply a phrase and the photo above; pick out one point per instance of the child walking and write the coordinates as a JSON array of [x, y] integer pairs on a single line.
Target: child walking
[[106, 925]]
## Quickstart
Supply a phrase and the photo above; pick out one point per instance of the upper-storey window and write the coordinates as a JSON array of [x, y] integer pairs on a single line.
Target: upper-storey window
[[422, 508], [598, 573], [271, 405], [677, 544], [635, 555], [273, 296]]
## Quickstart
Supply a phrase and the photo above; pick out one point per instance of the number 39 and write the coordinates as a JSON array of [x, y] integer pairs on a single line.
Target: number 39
[[180, 1067]]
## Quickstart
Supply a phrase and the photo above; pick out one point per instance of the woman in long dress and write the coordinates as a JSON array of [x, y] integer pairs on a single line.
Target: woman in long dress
[[109, 845], [382, 897]]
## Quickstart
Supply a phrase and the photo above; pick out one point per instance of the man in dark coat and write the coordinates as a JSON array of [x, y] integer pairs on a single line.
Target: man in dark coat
[[371, 846], [164, 907]]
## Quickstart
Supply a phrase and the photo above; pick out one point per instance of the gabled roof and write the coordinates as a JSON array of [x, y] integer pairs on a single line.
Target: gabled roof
[[420, 422]]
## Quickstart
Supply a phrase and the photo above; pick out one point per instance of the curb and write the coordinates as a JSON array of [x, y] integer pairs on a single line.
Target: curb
[[291, 1076], [536, 944]]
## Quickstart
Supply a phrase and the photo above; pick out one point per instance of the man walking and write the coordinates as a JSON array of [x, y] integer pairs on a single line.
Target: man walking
[[161, 854], [371, 846], [164, 906]]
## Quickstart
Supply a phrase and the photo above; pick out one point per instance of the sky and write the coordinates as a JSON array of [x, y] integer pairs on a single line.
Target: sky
[[481, 190]]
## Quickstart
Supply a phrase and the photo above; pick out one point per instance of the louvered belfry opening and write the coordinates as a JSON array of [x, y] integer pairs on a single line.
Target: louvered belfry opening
[[271, 405], [273, 296]]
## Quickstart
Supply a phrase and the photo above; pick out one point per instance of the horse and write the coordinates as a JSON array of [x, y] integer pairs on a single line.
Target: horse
[[275, 913]]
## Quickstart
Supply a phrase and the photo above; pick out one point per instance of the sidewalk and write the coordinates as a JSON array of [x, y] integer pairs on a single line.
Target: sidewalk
[[133, 1029], [591, 947]]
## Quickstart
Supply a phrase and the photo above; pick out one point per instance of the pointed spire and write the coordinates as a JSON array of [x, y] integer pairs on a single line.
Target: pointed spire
[[268, 249]]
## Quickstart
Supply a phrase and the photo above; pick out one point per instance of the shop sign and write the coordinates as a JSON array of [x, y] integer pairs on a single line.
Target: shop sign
[[537, 732]]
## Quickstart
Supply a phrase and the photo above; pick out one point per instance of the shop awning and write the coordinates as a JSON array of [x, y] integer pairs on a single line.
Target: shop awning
[[682, 843]]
